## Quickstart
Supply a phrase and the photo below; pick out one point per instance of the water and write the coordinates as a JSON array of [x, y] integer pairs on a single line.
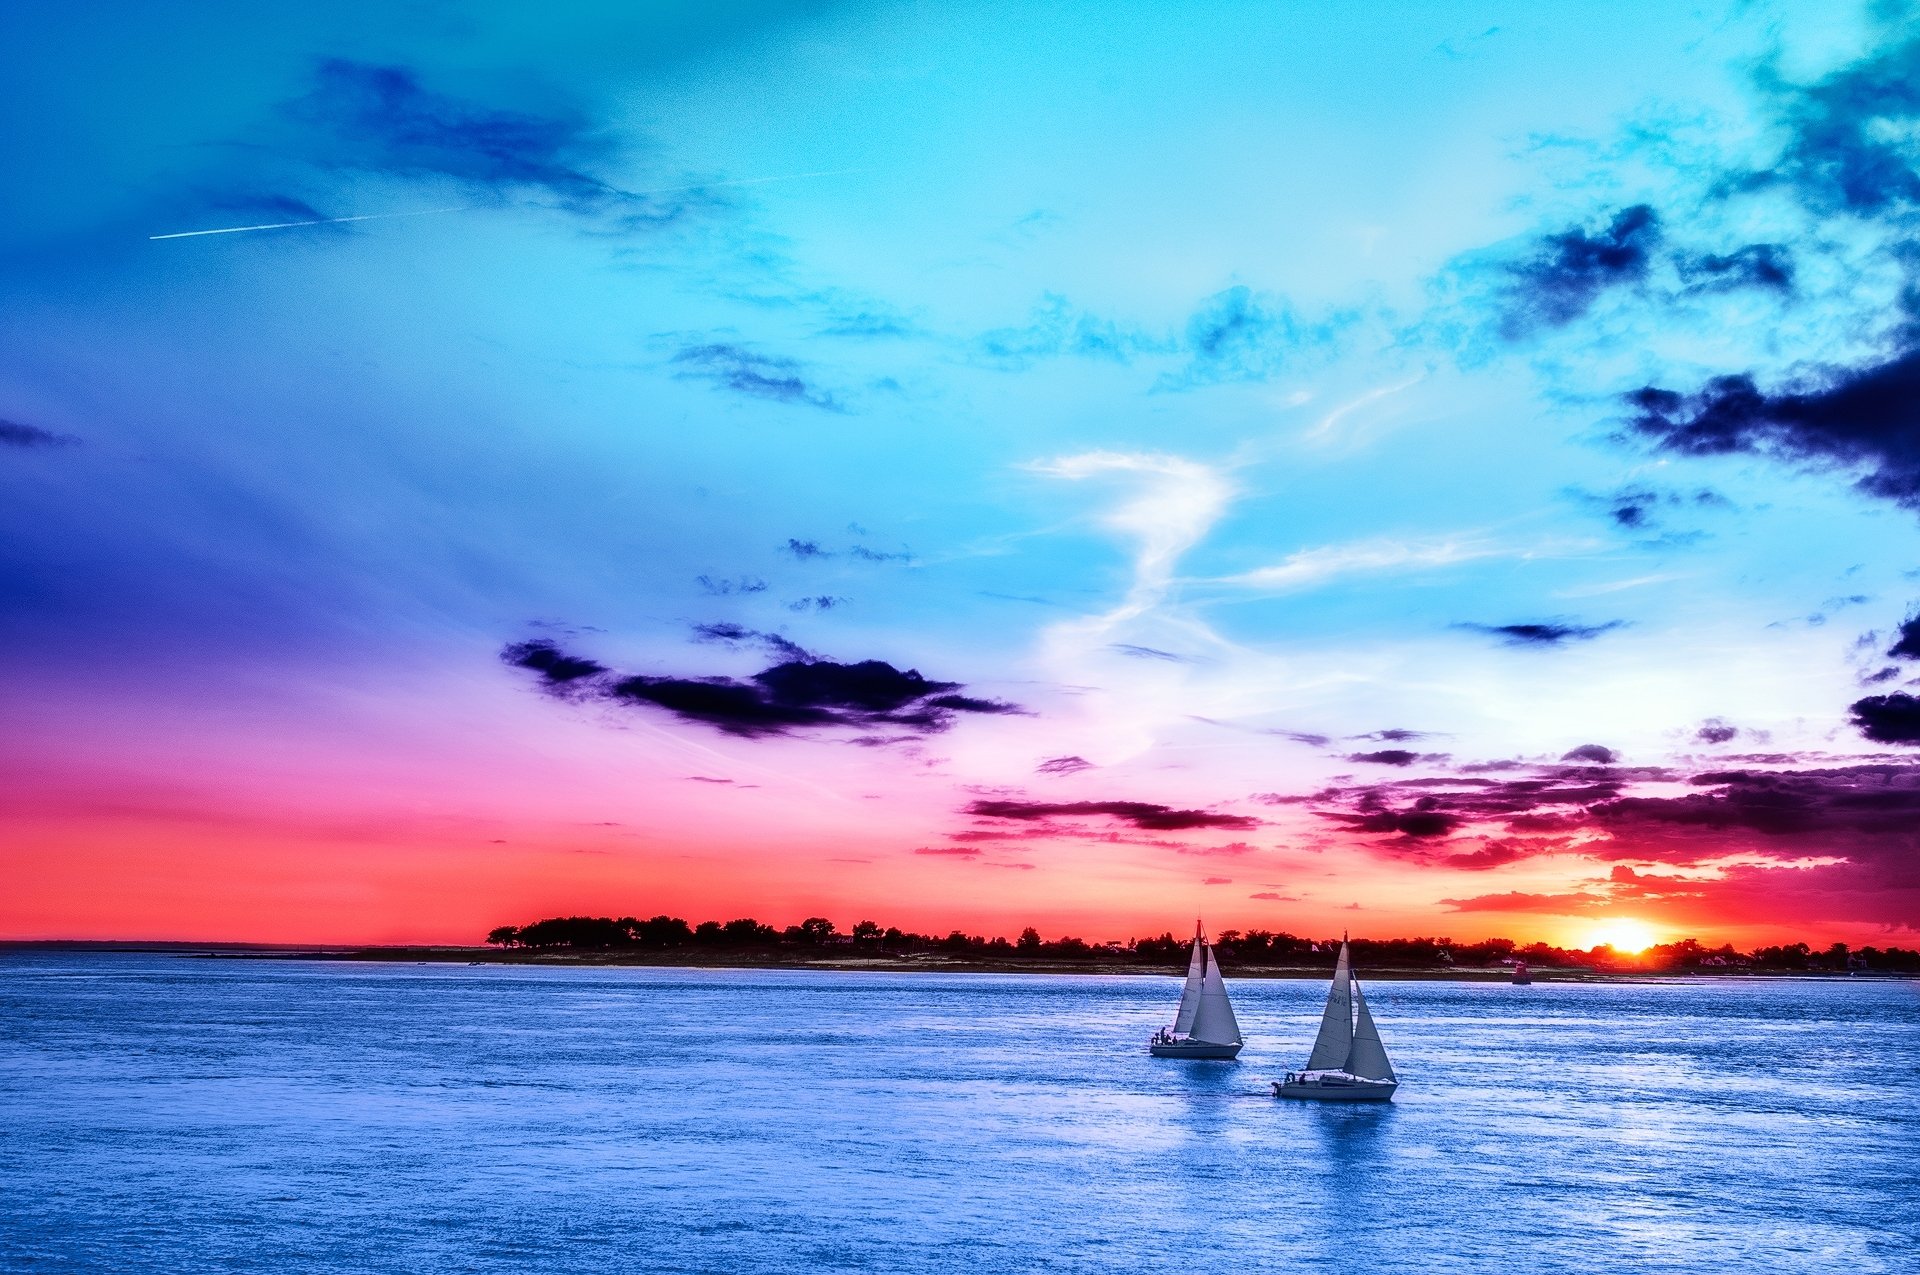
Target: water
[[166, 1113]]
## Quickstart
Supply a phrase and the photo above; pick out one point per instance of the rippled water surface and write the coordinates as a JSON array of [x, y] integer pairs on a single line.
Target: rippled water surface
[[173, 1113]]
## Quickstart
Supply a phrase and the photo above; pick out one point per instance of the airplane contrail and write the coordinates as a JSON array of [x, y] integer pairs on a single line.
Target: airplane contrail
[[288, 225], [428, 212]]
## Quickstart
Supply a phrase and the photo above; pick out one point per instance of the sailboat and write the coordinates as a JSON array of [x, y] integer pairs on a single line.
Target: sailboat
[[1205, 1026], [1348, 1062]]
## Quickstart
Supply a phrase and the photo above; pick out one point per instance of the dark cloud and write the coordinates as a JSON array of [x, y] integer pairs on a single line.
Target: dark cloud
[[1715, 730], [1630, 513], [1394, 735], [14, 434], [1598, 754], [1428, 808], [1422, 819], [1544, 633], [1147, 653], [1850, 147], [1493, 854], [1301, 737], [1907, 646], [726, 631], [1758, 265], [874, 555], [383, 118], [708, 779], [1395, 757], [1830, 806], [973, 704], [1888, 719], [1821, 841], [1140, 814], [1866, 419], [783, 647], [723, 588], [555, 667], [736, 368], [1063, 766], [1568, 271], [819, 602], [795, 695], [1642, 508], [805, 549], [1273, 897], [1216, 881]]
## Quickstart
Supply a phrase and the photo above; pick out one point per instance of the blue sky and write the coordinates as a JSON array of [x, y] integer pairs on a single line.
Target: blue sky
[[1213, 397]]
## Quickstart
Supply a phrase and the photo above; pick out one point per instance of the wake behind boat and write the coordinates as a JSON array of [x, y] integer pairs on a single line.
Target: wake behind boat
[[1348, 1062], [1205, 1026]]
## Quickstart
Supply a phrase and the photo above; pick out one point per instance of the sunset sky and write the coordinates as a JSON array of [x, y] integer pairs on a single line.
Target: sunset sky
[[1442, 469]]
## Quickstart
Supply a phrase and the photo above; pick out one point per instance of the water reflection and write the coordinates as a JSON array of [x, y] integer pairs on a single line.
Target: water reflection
[[1206, 1090], [1351, 1136], [196, 1115]]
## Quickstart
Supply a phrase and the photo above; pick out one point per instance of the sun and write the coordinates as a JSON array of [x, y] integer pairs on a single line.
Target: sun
[[1623, 934]]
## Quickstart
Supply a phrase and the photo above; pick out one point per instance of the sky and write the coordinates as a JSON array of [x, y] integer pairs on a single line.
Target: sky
[[1408, 469]]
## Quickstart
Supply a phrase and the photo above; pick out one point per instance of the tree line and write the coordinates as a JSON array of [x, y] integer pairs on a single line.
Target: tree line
[[1251, 947]]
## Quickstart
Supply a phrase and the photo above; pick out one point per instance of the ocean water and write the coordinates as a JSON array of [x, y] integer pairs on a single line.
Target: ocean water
[[181, 1114]]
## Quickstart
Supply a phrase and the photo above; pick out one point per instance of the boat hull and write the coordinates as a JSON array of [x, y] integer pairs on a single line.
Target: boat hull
[[1335, 1089], [1193, 1049]]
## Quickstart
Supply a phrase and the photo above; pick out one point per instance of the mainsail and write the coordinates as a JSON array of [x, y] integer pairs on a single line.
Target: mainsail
[[1214, 1023], [1335, 1041], [1368, 1058], [1348, 1040], [1196, 980]]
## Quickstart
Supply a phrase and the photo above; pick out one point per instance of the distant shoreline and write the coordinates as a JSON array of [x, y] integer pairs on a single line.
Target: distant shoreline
[[909, 963]]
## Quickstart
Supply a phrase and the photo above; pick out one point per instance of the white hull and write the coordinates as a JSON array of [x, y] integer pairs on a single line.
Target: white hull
[[1335, 1088]]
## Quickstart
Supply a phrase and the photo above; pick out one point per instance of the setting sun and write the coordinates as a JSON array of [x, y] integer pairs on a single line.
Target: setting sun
[[1624, 935]]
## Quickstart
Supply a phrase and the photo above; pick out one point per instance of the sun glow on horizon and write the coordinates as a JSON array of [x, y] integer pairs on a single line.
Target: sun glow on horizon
[[1623, 934]]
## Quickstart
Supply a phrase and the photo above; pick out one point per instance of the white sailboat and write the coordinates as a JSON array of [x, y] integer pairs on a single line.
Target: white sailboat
[[1348, 1062], [1205, 1026]]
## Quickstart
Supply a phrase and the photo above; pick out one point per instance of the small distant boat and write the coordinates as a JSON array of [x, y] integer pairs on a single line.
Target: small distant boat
[[1521, 974], [1205, 1026], [1348, 1062]]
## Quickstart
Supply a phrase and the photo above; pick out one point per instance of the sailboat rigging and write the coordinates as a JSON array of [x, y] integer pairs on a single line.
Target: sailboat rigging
[[1204, 1026], [1348, 1062]]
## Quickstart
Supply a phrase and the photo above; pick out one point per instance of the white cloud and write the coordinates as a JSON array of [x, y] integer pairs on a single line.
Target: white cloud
[[1310, 567], [1173, 509]]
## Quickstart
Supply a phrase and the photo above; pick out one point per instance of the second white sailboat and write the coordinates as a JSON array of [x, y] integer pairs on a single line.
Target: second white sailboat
[[1348, 1062]]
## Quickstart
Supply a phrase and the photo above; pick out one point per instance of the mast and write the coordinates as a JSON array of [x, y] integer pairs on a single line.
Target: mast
[[1214, 1023], [1368, 1057], [1335, 1041], [1196, 981]]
